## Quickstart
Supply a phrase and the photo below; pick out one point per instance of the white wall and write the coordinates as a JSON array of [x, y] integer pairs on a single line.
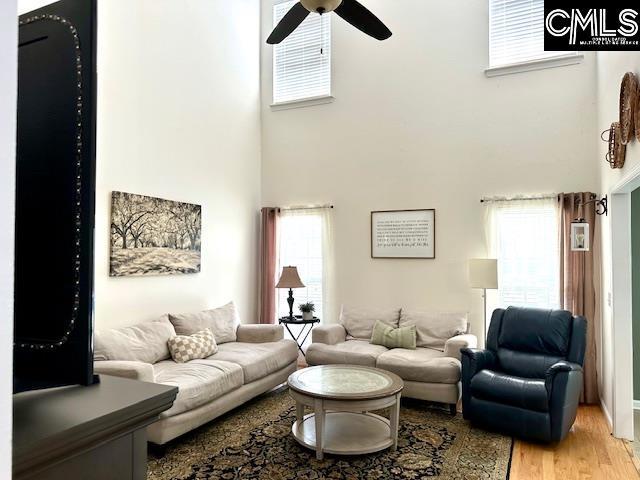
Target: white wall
[[611, 67], [178, 118], [416, 124], [8, 77]]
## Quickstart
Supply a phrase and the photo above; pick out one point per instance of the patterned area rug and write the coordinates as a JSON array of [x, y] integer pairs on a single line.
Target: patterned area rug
[[255, 442]]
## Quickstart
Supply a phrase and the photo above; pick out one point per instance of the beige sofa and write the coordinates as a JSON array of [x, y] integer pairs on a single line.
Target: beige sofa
[[251, 360], [430, 372]]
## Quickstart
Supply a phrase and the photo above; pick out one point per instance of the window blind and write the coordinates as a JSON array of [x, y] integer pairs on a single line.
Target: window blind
[[300, 244], [524, 237], [516, 32], [302, 63]]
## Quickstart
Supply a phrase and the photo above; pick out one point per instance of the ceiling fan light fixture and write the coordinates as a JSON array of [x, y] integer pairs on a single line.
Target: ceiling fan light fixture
[[321, 6], [351, 11]]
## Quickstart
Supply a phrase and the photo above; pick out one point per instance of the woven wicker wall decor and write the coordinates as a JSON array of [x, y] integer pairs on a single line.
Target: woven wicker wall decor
[[628, 103], [637, 114], [617, 150]]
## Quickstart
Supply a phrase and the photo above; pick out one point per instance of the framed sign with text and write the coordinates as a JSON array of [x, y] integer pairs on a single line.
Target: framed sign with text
[[403, 234]]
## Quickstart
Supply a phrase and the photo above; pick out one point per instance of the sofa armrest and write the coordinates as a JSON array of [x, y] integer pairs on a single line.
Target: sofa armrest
[[453, 346], [126, 369], [563, 381], [259, 333], [329, 334]]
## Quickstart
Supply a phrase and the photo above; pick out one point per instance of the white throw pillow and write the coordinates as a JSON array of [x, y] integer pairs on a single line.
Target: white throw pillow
[[222, 321], [145, 342], [359, 322], [191, 347], [434, 328]]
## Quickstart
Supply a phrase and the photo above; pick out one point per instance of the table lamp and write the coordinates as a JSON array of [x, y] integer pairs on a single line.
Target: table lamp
[[483, 273], [290, 279]]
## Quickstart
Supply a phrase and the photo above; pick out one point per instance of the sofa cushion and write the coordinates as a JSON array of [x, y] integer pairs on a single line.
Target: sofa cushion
[[390, 337], [421, 365], [198, 382], [258, 359], [535, 330], [527, 393], [359, 322], [434, 328], [222, 321], [184, 348], [351, 352], [145, 342]]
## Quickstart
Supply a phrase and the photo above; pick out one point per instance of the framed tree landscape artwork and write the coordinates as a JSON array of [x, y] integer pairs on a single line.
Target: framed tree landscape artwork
[[153, 236]]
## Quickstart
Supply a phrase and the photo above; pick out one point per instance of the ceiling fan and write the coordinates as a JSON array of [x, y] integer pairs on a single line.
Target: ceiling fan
[[350, 10]]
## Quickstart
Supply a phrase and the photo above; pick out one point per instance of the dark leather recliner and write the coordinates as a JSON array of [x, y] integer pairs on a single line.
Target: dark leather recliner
[[527, 382]]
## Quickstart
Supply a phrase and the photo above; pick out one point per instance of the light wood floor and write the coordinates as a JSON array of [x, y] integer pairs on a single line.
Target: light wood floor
[[588, 452]]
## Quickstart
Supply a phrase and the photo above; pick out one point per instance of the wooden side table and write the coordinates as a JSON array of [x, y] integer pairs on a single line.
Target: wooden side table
[[305, 330]]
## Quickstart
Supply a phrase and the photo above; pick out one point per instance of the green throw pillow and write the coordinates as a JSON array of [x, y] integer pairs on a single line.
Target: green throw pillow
[[404, 337]]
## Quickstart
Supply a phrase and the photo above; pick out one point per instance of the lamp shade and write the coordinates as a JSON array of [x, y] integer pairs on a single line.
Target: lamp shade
[[483, 273], [290, 278]]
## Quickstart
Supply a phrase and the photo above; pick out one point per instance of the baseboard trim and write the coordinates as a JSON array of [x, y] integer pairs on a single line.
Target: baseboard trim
[[607, 415]]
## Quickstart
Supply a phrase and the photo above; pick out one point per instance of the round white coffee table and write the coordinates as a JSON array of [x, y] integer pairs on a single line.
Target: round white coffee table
[[341, 397]]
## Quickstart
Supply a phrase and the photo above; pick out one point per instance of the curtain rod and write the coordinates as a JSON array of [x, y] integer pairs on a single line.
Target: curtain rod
[[515, 199], [318, 207]]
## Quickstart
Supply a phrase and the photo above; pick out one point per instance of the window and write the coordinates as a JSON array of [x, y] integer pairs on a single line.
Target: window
[[516, 34], [524, 239], [302, 62], [301, 239]]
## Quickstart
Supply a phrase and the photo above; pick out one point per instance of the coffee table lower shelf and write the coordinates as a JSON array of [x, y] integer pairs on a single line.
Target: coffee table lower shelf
[[346, 433]]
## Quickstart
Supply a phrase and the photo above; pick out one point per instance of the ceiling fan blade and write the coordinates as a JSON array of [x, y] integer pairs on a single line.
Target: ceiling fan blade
[[288, 24], [357, 15]]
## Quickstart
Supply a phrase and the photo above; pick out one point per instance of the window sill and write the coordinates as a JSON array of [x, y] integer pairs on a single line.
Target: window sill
[[305, 102], [543, 63]]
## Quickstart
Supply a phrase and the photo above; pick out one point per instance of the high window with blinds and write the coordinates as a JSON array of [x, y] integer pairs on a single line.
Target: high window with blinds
[[516, 32], [302, 62]]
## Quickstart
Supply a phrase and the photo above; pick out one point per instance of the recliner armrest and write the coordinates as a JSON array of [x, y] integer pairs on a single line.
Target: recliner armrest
[[329, 334], [474, 360], [560, 367], [563, 382], [453, 346], [255, 333], [125, 369]]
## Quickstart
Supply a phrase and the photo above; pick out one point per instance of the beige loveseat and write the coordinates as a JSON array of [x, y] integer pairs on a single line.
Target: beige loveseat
[[430, 372], [251, 360]]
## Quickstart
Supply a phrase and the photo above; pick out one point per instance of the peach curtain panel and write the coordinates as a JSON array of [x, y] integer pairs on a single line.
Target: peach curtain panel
[[268, 261], [580, 281]]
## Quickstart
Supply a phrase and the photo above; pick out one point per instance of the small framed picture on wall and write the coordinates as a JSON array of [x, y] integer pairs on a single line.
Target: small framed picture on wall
[[403, 234]]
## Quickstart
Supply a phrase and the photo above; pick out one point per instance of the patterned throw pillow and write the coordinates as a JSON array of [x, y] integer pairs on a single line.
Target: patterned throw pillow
[[191, 347]]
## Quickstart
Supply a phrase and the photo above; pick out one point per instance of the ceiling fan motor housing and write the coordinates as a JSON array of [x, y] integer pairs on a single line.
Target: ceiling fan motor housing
[[321, 6]]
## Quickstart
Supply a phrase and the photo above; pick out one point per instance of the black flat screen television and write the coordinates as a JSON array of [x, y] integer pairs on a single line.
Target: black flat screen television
[[55, 196]]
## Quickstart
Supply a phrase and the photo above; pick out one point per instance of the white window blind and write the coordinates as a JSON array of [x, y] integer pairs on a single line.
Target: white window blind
[[301, 245], [302, 62], [525, 242], [516, 32]]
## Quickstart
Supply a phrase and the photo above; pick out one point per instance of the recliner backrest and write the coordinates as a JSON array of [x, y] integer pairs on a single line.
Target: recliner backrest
[[527, 341]]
